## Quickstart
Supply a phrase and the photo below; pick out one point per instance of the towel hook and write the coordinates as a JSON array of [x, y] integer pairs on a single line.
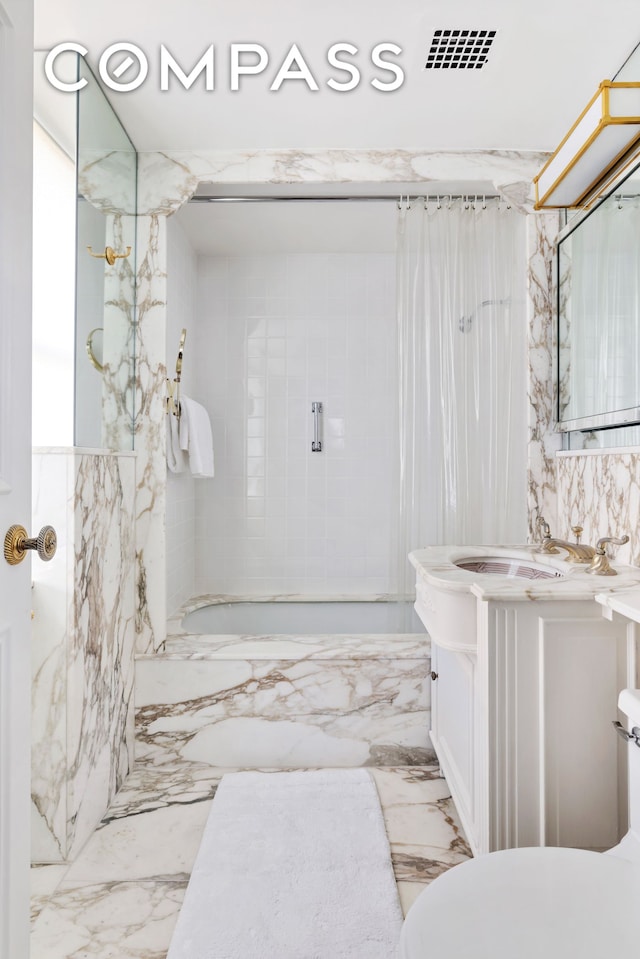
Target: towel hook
[[110, 254]]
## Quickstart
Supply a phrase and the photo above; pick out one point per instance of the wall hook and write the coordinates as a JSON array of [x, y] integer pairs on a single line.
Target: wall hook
[[110, 254]]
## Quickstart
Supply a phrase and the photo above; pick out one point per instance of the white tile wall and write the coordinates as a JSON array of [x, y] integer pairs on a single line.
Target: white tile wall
[[275, 333], [181, 312]]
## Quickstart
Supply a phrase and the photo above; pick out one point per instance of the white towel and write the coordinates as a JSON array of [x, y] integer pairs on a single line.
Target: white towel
[[195, 436], [176, 460]]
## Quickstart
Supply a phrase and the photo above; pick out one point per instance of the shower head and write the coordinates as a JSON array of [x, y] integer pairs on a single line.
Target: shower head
[[464, 323]]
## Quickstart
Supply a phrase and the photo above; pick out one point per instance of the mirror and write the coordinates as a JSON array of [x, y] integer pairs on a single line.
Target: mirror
[[85, 170], [598, 289], [105, 271]]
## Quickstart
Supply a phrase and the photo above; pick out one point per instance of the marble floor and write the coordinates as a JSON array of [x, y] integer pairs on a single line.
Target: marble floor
[[120, 898]]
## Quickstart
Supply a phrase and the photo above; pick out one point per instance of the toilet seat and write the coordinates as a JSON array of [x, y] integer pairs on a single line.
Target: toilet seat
[[533, 903]]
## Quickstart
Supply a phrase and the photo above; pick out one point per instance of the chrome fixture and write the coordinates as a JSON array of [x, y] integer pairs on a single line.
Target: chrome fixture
[[316, 445], [17, 542], [600, 565], [465, 322], [173, 387], [633, 736], [544, 526]]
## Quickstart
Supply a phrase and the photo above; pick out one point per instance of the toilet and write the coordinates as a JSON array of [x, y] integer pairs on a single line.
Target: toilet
[[547, 903]]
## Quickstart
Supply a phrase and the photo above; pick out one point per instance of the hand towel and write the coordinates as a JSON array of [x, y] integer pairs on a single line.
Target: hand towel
[[176, 460], [195, 436]]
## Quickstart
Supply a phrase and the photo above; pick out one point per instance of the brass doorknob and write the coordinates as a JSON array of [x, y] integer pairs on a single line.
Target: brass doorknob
[[16, 544]]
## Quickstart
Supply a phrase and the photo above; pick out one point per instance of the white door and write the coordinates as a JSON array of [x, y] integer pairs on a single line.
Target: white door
[[16, 109]]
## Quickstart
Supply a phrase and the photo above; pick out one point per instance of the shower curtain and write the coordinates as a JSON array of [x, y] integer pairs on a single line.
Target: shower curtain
[[461, 268]]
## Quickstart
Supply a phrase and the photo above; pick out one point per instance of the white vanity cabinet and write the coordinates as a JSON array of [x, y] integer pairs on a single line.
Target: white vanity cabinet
[[525, 682]]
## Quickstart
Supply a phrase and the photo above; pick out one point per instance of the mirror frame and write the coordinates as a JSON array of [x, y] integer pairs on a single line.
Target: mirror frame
[[611, 418]]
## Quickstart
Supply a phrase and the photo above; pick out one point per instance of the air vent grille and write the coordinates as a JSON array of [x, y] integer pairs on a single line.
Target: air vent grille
[[459, 49]]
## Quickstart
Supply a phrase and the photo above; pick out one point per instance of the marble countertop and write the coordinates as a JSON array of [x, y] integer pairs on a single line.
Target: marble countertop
[[436, 565], [626, 602]]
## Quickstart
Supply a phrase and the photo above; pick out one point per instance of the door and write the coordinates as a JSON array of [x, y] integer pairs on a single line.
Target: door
[[16, 110]]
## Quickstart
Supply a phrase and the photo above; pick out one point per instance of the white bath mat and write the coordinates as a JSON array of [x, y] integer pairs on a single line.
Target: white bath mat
[[292, 865]]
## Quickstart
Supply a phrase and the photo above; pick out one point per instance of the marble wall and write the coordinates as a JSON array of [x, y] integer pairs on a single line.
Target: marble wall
[[149, 432], [600, 491], [83, 645], [543, 442]]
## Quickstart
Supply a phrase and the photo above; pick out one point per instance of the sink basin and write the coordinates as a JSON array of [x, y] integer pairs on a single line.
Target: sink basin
[[506, 566]]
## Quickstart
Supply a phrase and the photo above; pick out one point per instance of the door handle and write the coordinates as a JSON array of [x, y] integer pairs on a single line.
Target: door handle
[[16, 544]]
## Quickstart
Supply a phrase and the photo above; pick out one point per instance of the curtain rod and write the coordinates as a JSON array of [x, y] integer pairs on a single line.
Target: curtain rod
[[396, 197]]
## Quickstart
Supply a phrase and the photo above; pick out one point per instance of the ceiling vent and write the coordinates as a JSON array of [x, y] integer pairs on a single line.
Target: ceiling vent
[[459, 49]]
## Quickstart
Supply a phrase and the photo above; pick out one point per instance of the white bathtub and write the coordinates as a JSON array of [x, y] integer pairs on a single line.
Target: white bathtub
[[302, 618]]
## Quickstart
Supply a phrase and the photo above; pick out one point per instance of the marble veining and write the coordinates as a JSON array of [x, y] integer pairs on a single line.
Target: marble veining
[[282, 712], [600, 491], [330, 646], [437, 565], [167, 179], [543, 442], [119, 337], [122, 895], [83, 645], [149, 427]]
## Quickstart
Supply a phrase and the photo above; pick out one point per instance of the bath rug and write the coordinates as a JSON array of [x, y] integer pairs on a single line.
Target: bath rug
[[292, 865]]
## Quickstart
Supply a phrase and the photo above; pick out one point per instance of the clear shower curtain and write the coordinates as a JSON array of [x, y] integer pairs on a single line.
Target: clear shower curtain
[[462, 376]]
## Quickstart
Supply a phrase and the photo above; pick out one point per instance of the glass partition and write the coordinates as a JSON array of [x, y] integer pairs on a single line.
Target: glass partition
[[85, 171]]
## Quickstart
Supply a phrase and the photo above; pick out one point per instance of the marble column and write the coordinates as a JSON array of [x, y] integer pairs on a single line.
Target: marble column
[[150, 427], [543, 442]]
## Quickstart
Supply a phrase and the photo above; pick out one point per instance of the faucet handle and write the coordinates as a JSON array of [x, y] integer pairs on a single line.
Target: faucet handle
[[600, 565], [615, 540], [577, 532]]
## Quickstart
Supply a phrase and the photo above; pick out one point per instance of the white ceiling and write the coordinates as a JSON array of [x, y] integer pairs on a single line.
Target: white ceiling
[[545, 63]]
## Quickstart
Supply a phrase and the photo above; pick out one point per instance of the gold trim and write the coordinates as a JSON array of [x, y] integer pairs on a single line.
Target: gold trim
[[606, 120], [16, 544], [14, 540], [92, 356], [110, 254]]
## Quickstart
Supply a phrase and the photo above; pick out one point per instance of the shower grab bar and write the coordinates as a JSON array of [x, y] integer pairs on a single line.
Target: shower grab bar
[[316, 409]]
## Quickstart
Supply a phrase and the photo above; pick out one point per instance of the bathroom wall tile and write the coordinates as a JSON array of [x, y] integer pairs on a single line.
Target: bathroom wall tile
[[182, 275], [274, 440]]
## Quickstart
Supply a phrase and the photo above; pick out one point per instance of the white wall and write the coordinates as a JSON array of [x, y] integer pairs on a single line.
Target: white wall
[[54, 227], [180, 530], [275, 333]]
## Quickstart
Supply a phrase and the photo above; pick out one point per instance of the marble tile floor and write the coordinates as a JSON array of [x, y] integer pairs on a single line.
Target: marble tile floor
[[120, 898]]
